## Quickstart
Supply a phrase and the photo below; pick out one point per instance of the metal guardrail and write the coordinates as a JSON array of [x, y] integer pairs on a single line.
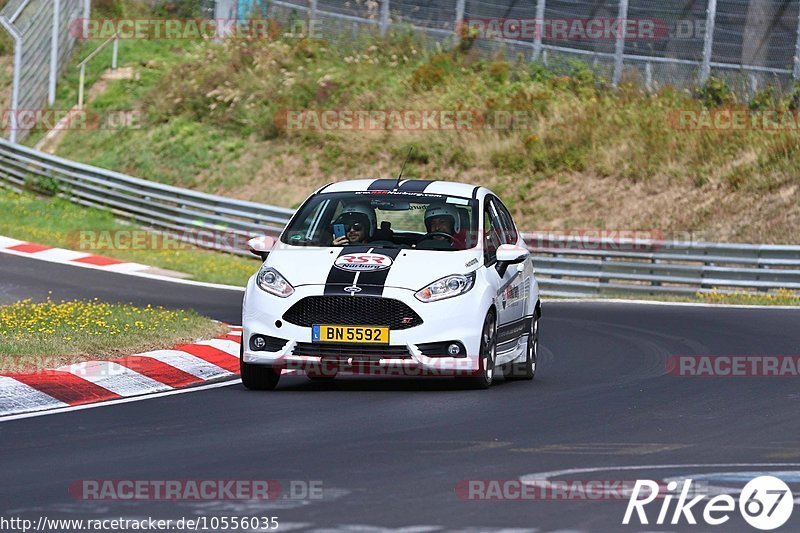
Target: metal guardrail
[[162, 207], [590, 267]]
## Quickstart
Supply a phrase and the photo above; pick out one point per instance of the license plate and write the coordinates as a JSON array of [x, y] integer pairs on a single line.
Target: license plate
[[359, 334]]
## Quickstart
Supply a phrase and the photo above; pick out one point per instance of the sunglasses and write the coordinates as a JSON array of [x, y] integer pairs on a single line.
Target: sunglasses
[[356, 226]]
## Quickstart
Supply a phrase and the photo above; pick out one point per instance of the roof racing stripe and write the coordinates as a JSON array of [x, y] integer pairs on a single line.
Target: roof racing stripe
[[382, 184], [415, 185]]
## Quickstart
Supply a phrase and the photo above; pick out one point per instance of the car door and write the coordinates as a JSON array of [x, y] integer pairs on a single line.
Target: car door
[[493, 237], [513, 293]]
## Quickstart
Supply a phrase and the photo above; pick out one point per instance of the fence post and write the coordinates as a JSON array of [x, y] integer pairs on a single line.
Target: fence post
[[708, 43], [87, 14], [797, 52], [459, 21], [539, 25], [384, 22], [619, 51], [81, 82], [115, 53], [12, 135], [312, 15], [51, 90]]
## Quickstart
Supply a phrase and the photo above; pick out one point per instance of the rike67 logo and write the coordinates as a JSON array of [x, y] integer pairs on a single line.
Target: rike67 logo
[[765, 503]]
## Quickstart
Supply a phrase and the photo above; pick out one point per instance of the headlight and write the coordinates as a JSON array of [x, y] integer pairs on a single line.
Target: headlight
[[271, 281], [446, 287]]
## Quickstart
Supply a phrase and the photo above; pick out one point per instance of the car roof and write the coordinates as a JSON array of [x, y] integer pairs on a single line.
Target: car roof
[[429, 186]]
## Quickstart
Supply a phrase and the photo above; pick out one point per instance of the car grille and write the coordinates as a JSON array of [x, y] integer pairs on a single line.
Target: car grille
[[352, 311], [346, 351]]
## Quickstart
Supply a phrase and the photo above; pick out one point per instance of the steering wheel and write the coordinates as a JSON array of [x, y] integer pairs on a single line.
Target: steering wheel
[[435, 234]]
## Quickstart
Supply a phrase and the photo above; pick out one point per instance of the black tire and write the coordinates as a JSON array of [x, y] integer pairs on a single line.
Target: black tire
[[488, 354], [527, 369], [257, 377]]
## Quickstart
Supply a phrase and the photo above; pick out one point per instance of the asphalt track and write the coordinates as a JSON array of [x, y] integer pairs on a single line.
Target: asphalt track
[[390, 453]]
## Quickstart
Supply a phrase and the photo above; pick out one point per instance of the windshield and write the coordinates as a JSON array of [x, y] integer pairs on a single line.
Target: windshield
[[385, 219]]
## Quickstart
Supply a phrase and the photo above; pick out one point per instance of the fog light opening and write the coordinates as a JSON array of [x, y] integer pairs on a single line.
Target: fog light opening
[[258, 342]]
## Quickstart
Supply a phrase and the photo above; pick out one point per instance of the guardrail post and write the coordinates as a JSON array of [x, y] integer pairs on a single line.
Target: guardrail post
[[51, 90], [459, 21], [537, 37], [708, 43], [797, 52], [619, 51], [384, 22]]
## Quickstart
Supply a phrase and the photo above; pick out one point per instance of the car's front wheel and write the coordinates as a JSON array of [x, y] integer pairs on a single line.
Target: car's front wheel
[[257, 377], [487, 356], [527, 369]]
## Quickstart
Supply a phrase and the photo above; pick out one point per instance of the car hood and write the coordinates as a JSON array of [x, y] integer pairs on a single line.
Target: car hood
[[407, 269]]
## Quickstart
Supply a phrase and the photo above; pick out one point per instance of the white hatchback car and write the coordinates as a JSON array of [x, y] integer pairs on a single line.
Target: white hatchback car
[[393, 277]]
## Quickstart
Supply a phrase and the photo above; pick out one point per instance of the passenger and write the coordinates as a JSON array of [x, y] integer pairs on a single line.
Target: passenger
[[359, 225]]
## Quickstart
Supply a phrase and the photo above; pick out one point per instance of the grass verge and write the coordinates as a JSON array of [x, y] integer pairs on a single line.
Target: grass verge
[[51, 334], [56, 222]]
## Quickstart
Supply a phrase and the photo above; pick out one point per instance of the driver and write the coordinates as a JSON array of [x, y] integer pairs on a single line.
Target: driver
[[359, 225], [443, 218]]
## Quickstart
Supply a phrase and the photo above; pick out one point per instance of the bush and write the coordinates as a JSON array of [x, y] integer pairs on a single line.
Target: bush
[[763, 99], [715, 93]]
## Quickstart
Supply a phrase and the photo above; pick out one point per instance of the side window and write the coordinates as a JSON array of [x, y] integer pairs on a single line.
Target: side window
[[491, 233], [509, 230]]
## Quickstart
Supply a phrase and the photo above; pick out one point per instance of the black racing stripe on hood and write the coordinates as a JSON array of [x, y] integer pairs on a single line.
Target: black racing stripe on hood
[[338, 278], [415, 185], [372, 283], [382, 184]]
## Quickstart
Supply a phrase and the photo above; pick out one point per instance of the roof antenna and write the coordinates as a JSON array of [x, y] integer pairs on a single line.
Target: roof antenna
[[397, 185]]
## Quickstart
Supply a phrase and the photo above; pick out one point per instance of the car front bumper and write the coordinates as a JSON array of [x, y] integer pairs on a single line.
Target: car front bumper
[[457, 319]]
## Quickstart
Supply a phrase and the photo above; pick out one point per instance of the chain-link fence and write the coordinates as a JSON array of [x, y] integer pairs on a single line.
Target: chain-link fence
[[748, 43], [43, 44]]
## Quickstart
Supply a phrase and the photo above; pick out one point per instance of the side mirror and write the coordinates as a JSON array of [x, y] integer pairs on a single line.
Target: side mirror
[[509, 254], [261, 246]]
